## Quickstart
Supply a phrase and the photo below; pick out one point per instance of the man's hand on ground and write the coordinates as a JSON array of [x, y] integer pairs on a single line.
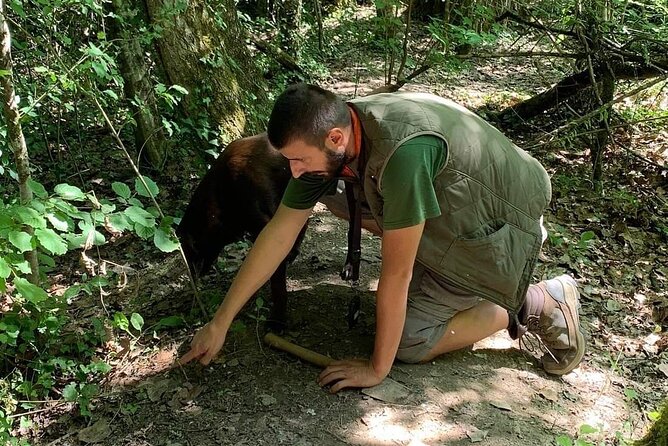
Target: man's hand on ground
[[206, 344], [349, 373]]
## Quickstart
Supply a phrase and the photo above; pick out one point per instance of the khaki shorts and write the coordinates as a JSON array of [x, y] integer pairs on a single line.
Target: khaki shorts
[[432, 302]]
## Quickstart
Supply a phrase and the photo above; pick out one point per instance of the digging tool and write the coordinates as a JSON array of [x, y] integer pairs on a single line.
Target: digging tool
[[298, 351], [389, 391]]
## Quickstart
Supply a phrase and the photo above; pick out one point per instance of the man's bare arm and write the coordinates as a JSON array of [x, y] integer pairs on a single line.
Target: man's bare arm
[[270, 248], [398, 251]]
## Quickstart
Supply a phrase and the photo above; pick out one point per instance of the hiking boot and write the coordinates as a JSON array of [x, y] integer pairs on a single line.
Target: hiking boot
[[551, 313]]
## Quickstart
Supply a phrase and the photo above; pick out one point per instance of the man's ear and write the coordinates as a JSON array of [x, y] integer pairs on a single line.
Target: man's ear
[[336, 137]]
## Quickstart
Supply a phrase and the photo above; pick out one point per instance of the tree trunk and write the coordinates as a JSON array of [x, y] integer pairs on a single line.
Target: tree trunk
[[289, 23], [202, 49], [149, 136], [607, 93], [15, 133], [570, 86]]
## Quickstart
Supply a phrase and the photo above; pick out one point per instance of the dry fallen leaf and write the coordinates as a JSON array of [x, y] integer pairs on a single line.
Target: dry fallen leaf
[[155, 390], [95, 433], [389, 391], [501, 405], [663, 367], [476, 435], [549, 394]]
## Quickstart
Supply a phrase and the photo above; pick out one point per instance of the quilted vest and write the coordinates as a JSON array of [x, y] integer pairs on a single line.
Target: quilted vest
[[490, 192]]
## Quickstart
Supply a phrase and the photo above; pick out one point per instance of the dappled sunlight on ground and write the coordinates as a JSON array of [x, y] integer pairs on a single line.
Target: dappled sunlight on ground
[[390, 426]]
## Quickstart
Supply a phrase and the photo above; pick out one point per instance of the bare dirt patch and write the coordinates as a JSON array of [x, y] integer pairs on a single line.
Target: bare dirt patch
[[493, 393]]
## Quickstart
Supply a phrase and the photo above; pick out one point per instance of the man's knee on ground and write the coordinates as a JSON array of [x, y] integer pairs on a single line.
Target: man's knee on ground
[[410, 357]]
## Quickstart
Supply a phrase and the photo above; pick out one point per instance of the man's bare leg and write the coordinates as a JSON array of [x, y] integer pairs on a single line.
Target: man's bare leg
[[470, 326]]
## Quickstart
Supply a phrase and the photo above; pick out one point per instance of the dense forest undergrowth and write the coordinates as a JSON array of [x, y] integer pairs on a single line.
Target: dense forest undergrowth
[[90, 357]]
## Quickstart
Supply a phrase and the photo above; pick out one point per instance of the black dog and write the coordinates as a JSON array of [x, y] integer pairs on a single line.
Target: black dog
[[238, 196]]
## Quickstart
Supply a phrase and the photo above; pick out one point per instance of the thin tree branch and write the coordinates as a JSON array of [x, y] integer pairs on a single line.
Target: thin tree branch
[[120, 144], [391, 88], [640, 157], [522, 54], [515, 18], [596, 111], [277, 54]]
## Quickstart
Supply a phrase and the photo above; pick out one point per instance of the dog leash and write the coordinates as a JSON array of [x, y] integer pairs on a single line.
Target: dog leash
[[351, 269]]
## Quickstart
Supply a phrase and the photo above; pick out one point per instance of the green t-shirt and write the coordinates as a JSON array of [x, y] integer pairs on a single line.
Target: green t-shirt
[[408, 192]]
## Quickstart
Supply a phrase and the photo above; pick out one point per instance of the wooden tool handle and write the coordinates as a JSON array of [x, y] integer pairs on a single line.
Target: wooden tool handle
[[294, 349]]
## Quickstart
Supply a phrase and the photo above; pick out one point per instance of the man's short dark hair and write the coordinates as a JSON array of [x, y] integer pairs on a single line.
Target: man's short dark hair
[[305, 112]]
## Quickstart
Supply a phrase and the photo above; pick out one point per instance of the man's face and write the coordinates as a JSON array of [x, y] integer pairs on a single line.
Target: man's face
[[306, 158]]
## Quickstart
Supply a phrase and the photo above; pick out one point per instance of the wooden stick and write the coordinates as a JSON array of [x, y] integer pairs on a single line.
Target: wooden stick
[[302, 353]]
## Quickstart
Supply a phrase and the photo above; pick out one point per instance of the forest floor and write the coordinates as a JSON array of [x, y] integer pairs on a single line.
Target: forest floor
[[494, 394]]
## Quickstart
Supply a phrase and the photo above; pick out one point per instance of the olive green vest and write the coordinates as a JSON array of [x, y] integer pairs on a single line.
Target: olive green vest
[[491, 193]]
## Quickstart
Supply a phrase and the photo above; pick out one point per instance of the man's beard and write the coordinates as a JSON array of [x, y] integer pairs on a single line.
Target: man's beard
[[335, 163]]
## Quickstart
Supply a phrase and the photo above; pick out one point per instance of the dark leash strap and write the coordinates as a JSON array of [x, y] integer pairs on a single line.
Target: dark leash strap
[[351, 269]]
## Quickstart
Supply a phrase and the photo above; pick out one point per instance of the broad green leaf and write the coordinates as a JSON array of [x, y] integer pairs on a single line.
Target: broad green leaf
[[141, 190], [30, 217], [37, 189], [45, 260], [69, 192], [612, 305], [137, 321], [67, 208], [5, 269], [138, 215], [100, 68], [99, 281], [51, 241], [31, 292], [121, 321], [70, 392], [170, 321], [563, 440], [144, 232], [72, 292], [6, 221], [38, 206], [78, 240], [587, 235], [134, 202], [107, 208], [94, 51], [630, 394], [587, 429], [98, 217], [58, 221], [653, 415], [164, 242], [121, 189], [111, 93], [23, 267], [20, 240], [119, 222], [100, 367], [179, 88]]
